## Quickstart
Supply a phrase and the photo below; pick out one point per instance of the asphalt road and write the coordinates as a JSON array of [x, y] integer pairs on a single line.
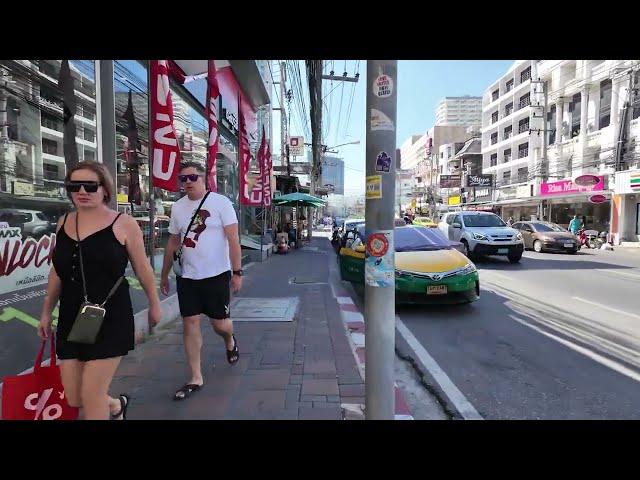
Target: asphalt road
[[554, 337]]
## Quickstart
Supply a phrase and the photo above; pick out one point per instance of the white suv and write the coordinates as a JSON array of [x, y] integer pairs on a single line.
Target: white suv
[[482, 233]]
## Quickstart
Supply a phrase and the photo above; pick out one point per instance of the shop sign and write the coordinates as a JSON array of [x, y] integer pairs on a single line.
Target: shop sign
[[587, 180], [569, 186], [455, 200], [479, 180], [627, 182], [23, 188], [597, 199], [482, 192], [450, 181], [296, 146]]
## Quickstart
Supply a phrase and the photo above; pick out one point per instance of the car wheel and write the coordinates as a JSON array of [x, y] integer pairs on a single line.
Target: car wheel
[[465, 246], [515, 258], [537, 246]]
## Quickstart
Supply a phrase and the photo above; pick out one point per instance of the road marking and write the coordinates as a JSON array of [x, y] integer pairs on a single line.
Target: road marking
[[586, 352], [616, 272], [458, 399], [615, 310]]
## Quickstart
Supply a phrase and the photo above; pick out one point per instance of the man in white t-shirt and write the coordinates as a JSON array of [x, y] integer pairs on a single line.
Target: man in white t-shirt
[[211, 259]]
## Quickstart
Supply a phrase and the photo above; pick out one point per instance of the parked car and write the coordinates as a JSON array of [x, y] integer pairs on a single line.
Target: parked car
[[428, 267], [33, 223], [483, 233], [547, 236]]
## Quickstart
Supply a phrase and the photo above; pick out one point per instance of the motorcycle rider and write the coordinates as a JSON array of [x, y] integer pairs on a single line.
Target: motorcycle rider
[[575, 224]]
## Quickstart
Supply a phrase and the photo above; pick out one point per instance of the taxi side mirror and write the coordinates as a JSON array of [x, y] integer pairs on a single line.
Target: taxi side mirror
[[457, 225]]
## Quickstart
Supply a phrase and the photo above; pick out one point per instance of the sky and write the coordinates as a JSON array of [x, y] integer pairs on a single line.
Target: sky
[[421, 85]]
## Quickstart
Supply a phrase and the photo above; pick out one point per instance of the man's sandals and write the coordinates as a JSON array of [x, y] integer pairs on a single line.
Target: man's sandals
[[186, 391], [233, 355]]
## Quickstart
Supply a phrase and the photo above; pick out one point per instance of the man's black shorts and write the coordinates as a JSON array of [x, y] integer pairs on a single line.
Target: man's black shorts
[[210, 296]]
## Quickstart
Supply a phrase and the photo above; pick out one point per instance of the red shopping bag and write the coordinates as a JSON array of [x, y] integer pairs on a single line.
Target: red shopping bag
[[38, 395]]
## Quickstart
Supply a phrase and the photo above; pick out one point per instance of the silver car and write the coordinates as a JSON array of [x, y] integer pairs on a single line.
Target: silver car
[[32, 222], [482, 233]]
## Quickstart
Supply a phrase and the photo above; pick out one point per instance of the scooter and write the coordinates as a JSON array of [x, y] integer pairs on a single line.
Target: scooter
[[583, 239], [596, 241]]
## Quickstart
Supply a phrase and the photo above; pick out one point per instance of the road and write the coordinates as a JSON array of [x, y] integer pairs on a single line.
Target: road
[[554, 337]]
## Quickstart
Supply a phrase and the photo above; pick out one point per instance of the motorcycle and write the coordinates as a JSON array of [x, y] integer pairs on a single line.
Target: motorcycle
[[597, 240], [583, 239]]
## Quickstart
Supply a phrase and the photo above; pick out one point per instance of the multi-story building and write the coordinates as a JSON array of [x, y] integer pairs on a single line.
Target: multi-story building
[[412, 151], [465, 111], [585, 118], [405, 182], [333, 174], [427, 169]]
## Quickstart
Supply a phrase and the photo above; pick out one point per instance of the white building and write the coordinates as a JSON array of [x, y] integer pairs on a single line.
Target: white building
[[584, 112], [412, 151], [465, 111]]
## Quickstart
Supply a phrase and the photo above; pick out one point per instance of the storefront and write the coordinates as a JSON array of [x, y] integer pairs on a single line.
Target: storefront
[[625, 213], [584, 197]]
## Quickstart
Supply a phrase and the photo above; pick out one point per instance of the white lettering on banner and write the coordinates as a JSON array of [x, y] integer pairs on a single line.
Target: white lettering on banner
[[160, 135], [213, 115], [163, 90], [25, 263], [52, 412], [158, 164]]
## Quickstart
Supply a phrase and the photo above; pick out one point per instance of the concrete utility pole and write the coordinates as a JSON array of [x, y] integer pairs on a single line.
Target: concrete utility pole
[[315, 90], [380, 291], [542, 170], [284, 157]]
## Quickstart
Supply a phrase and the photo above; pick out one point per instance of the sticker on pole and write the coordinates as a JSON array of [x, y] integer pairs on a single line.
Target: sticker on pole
[[379, 121], [379, 270], [374, 187], [383, 86], [383, 162]]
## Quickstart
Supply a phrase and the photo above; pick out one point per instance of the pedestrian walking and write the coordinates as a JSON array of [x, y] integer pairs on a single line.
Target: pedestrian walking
[[94, 245], [204, 238], [510, 221], [574, 225]]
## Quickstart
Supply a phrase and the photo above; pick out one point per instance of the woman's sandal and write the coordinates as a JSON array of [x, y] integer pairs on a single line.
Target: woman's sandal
[[124, 404], [186, 391], [233, 355]]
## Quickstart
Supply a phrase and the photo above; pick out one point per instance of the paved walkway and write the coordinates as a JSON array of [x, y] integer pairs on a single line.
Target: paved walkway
[[302, 369]]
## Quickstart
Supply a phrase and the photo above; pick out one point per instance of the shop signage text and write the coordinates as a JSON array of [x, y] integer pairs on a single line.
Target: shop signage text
[[450, 181], [479, 180], [568, 186], [454, 200]]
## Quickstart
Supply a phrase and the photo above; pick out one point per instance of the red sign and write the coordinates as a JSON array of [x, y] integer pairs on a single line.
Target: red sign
[[597, 199], [377, 245], [266, 180], [250, 187], [166, 151], [213, 94], [587, 180]]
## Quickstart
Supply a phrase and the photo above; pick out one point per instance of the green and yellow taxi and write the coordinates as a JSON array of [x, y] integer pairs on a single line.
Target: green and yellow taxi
[[428, 267], [425, 222]]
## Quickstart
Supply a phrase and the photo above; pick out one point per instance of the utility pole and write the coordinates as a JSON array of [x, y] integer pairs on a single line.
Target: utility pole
[[382, 81], [542, 171], [314, 72], [284, 154], [623, 135]]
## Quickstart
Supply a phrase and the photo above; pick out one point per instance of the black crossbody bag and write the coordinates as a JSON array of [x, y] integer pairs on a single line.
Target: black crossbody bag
[[177, 255], [88, 322]]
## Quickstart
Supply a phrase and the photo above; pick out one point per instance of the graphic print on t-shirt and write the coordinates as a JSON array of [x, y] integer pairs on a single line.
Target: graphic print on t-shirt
[[199, 226]]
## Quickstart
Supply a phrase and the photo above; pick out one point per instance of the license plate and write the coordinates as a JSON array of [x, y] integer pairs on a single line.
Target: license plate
[[568, 245], [437, 290], [502, 251]]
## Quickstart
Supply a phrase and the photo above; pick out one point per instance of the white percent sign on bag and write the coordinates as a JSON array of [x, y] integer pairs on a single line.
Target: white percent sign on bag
[[37, 402]]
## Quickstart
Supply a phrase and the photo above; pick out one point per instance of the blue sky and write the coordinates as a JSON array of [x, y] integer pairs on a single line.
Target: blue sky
[[421, 85]]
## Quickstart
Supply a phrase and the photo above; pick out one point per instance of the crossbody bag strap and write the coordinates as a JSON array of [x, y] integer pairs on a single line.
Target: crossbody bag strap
[[194, 216]]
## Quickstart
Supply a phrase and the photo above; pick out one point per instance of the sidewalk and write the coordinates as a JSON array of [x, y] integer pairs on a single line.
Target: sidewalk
[[302, 369]]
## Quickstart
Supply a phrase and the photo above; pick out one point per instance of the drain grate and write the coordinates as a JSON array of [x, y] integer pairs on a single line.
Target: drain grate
[[244, 309], [307, 281]]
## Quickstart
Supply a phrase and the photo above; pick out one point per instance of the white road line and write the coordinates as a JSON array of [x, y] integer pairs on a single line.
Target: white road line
[[611, 309], [458, 399], [586, 352], [344, 300], [616, 272]]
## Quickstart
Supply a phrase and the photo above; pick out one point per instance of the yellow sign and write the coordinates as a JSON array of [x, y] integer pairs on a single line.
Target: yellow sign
[[374, 187], [454, 200], [123, 198], [413, 203], [23, 188]]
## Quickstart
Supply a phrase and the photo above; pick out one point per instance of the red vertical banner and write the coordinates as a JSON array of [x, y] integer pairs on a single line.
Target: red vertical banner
[[213, 95], [165, 148], [265, 170], [250, 187]]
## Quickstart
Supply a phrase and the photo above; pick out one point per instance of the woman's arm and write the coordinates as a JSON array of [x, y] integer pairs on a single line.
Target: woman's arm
[[54, 287]]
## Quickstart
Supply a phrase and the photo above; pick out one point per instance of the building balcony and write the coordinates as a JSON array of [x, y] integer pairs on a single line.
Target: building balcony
[[52, 158], [517, 162], [51, 133], [502, 121], [502, 144], [518, 89]]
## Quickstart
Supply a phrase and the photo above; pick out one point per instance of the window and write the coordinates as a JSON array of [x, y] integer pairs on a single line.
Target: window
[[494, 159], [506, 177], [509, 85], [49, 146], [574, 109], [636, 103], [89, 155], [525, 101], [508, 131], [449, 219], [522, 174], [517, 226], [50, 172], [495, 94], [41, 216], [605, 104], [494, 138], [551, 125], [456, 219], [87, 112], [507, 155], [494, 117], [523, 150], [50, 122], [525, 75], [508, 110], [523, 125], [89, 135]]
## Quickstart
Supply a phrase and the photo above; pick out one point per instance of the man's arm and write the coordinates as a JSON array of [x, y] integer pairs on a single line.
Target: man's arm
[[172, 245], [235, 251]]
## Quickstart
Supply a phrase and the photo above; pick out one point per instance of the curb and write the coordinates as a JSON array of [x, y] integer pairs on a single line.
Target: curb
[[353, 322]]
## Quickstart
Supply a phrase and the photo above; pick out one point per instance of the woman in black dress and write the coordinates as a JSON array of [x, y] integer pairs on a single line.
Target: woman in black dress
[[108, 241]]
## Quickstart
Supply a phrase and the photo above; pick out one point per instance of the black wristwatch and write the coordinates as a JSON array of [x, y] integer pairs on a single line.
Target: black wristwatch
[[238, 272]]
